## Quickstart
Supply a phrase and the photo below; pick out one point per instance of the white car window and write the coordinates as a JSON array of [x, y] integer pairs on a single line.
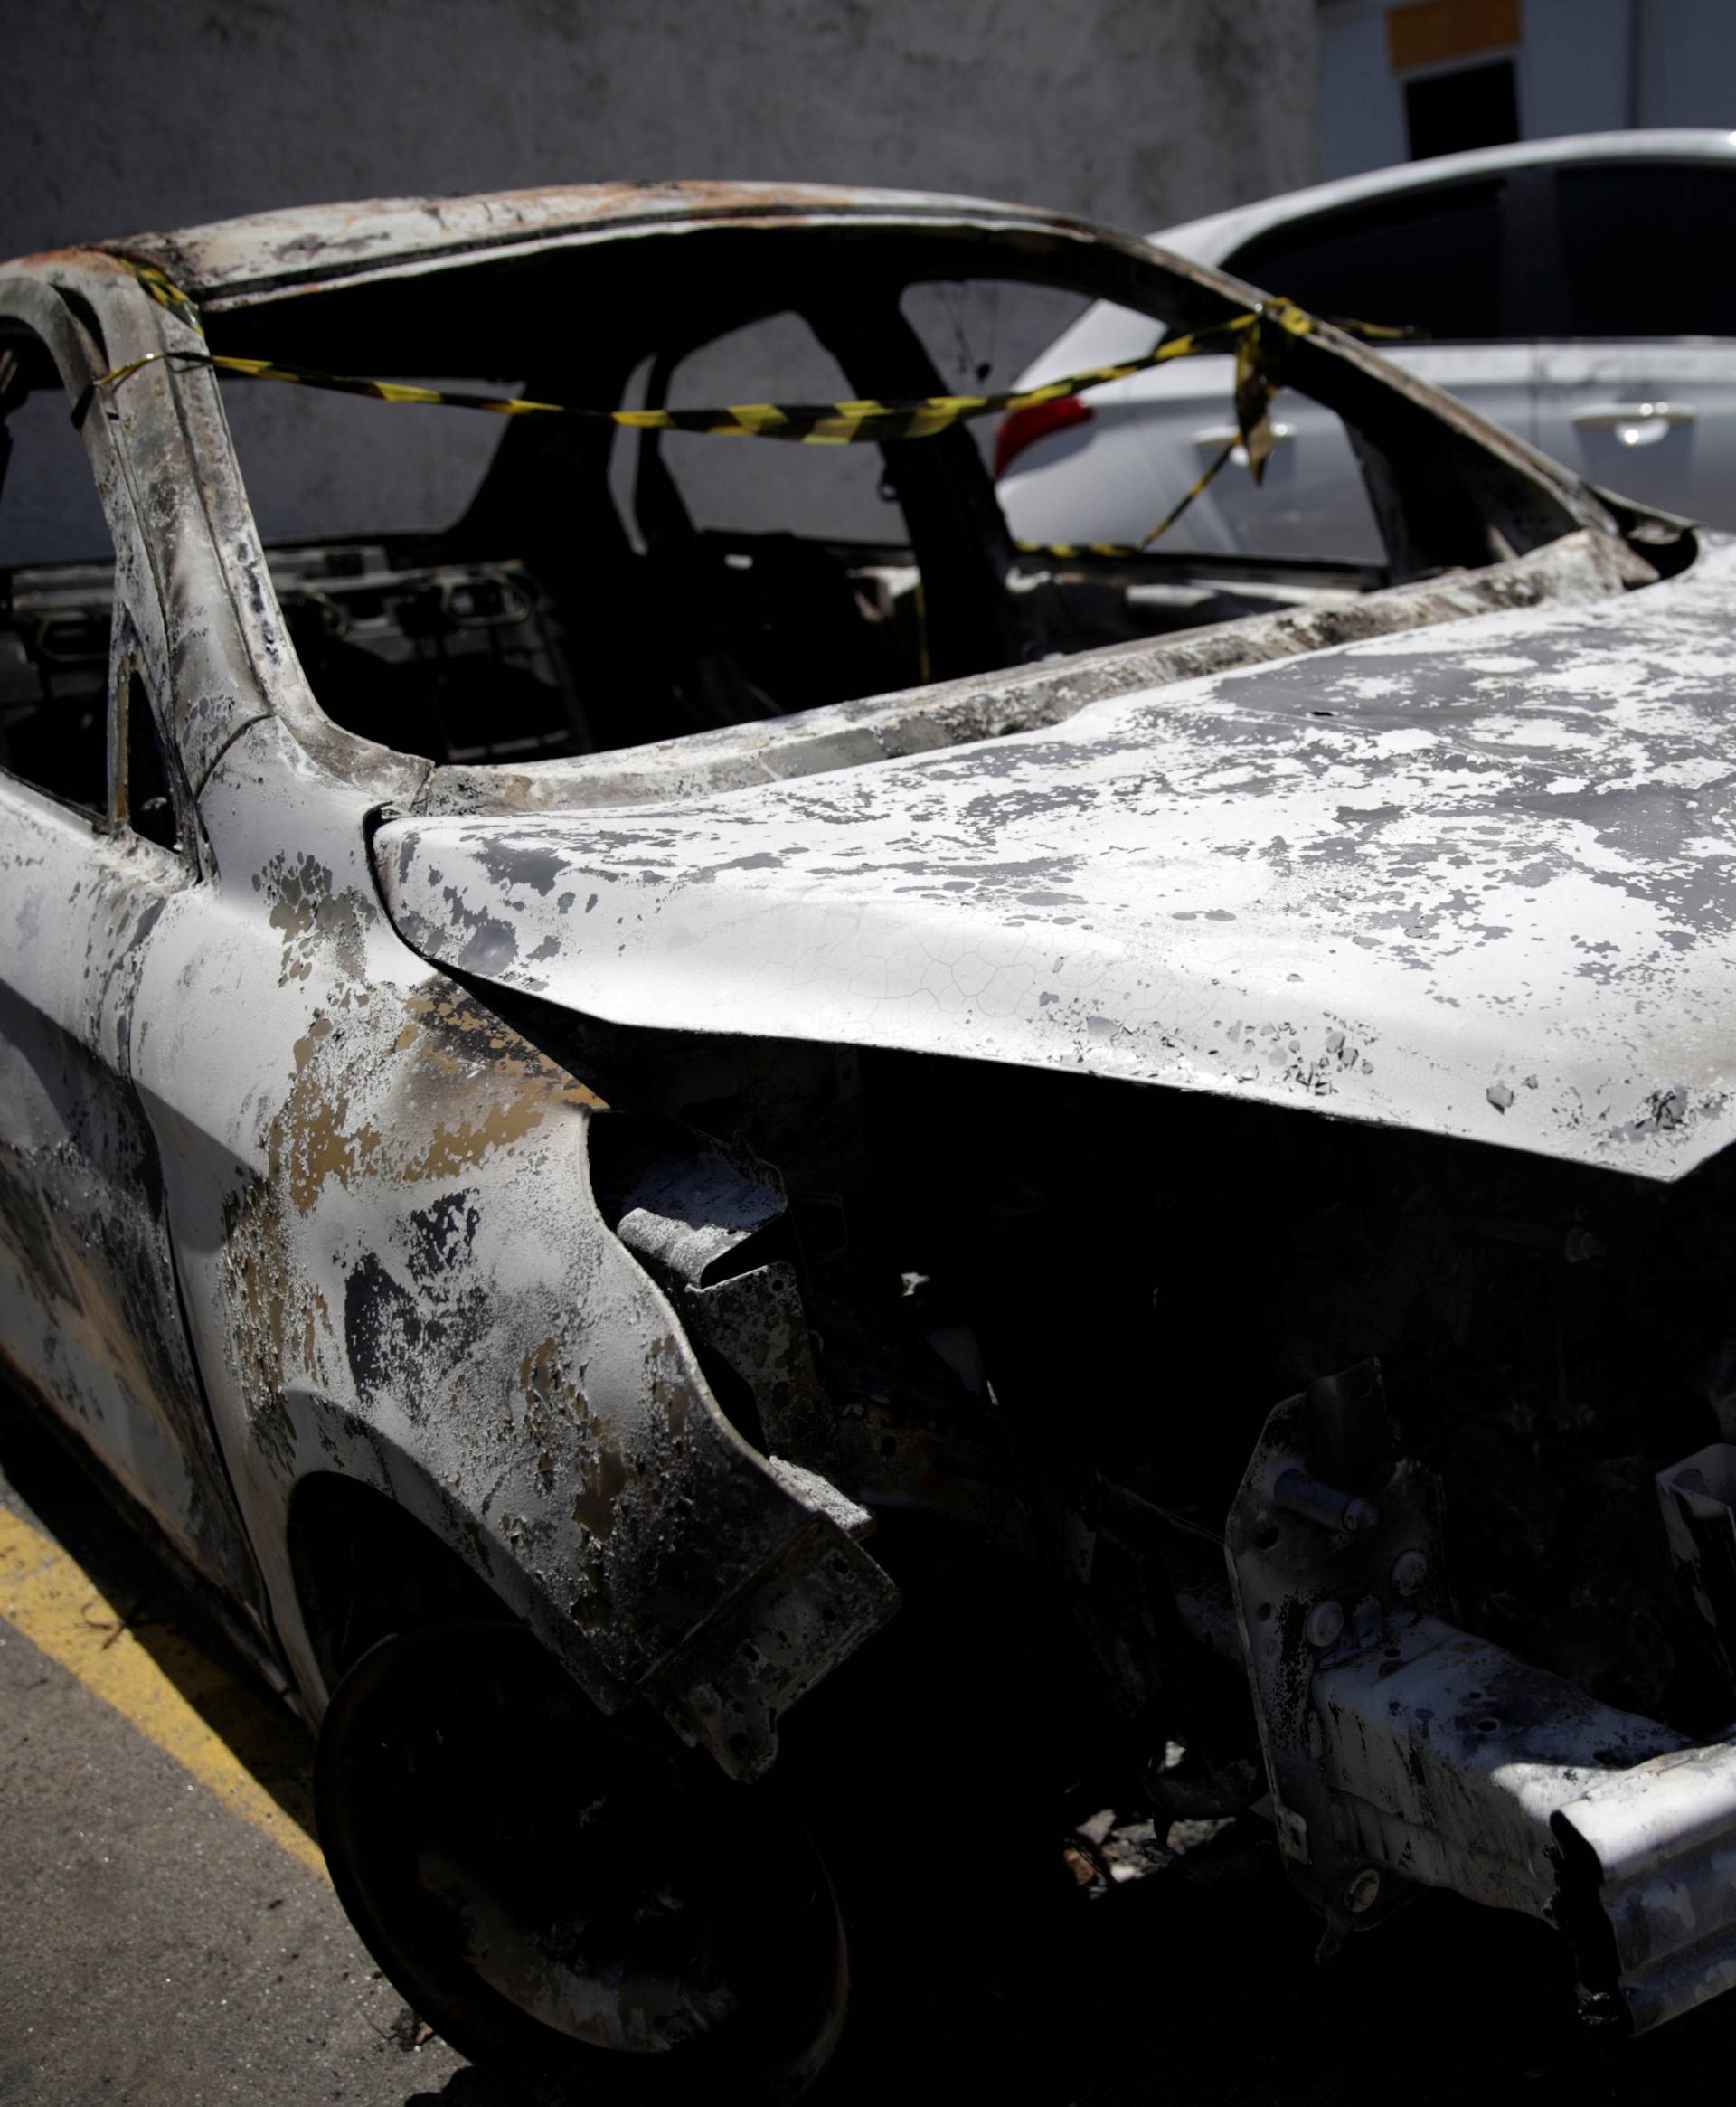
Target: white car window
[[1634, 250], [1429, 262]]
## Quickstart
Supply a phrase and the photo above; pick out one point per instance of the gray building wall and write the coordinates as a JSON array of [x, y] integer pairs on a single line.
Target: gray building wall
[[1139, 112], [1583, 66], [126, 118], [1686, 63]]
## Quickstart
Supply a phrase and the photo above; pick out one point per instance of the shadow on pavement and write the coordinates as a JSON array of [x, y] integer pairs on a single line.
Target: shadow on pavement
[[471, 2088], [978, 1969], [135, 1588]]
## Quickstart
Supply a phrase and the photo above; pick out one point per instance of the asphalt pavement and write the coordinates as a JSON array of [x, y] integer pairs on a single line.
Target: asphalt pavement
[[156, 1949], [161, 1948]]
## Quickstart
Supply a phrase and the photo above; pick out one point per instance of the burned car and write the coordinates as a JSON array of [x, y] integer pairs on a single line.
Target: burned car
[[595, 1089]]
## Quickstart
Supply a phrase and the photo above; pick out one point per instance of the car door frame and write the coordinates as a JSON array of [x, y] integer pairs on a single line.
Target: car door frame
[[130, 1388]]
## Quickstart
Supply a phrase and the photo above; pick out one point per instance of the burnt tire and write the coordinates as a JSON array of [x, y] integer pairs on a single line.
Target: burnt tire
[[585, 1911]]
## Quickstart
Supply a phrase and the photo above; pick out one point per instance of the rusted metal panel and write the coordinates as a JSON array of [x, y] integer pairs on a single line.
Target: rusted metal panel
[[234, 259], [1448, 1763], [1444, 1759], [1661, 1838], [88, 1306], [1403, 1751]]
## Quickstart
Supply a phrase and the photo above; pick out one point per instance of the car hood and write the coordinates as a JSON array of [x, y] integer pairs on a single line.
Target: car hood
[[1475, 881]]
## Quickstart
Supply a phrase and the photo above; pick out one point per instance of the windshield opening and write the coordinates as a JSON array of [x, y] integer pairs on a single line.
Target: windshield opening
[[485, 589]]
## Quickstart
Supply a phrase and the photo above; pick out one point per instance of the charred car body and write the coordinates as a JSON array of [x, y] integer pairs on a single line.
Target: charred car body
[[566, 1078]]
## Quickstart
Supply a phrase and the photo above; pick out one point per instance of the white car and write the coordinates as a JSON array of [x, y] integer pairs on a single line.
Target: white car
[[1561, 288]]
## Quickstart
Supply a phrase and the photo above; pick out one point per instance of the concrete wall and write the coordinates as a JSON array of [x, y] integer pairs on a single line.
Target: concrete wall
[[1140, 112], [126, 118], [1687, 63]]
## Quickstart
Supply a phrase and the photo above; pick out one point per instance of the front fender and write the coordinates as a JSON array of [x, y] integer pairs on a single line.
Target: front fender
[[396, 1269], [422, 1289]]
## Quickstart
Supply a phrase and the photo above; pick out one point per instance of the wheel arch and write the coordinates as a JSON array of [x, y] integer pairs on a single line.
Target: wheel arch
[[362, 1566], [373, 1542]]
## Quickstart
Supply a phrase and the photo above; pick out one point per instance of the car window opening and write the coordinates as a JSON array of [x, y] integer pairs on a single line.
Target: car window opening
[[57, 587], [150, 801], [563, 587]]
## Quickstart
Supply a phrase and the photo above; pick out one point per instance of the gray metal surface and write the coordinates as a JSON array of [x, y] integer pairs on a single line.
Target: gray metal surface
[[1662, 1839], [1452, 1764], [1402, 1751], [1474, 880], [1469, 876]]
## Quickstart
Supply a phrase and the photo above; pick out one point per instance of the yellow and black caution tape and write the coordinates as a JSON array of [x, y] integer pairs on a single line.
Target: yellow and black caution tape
[[1254, 389], [811, 423], [1069, 551], [1254, 336], [163, 290]]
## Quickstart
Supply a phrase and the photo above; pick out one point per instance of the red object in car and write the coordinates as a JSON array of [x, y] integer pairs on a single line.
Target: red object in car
[[1022, 426]]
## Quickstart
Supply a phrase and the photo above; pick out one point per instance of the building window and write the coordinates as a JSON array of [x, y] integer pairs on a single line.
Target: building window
[[1472, 106]]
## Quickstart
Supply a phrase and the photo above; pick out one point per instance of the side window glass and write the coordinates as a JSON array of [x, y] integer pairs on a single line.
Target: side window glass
[[1634, 250], [57, 584], [1429, 260]]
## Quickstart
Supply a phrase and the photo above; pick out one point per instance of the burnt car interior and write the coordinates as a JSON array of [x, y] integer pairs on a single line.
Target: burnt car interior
[[56, 586], [577, 604], [483, 642]]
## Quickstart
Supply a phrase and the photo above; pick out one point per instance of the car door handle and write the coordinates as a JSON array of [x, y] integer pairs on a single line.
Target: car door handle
[[1211, 437], [1635, 424]]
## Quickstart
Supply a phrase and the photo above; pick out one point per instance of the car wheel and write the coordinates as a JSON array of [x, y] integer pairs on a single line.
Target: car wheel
[[587, 1911]]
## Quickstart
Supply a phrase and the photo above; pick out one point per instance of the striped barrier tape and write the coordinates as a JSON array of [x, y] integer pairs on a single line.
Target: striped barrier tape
[[813, 424], [810, 423]]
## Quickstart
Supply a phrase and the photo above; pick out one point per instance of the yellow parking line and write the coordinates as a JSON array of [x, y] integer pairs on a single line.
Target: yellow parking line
[[252, 1757]]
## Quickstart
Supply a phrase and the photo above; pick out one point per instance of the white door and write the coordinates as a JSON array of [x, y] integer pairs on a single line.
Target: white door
[[1637, 350], [1437, 261], [1312, 503], [1656, 422]]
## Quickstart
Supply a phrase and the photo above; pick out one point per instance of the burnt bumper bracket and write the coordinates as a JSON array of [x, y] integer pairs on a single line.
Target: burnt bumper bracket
[[1402, 1751]]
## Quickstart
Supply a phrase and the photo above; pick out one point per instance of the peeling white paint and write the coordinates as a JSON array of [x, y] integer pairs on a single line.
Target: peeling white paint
[[1414, 872]]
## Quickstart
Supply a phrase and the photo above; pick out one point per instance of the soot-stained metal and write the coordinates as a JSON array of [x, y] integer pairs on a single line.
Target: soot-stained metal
[[671, 1091], [1484, 891]]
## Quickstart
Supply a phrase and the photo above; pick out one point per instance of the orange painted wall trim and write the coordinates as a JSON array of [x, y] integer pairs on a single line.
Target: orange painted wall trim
[[1428, 31]]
